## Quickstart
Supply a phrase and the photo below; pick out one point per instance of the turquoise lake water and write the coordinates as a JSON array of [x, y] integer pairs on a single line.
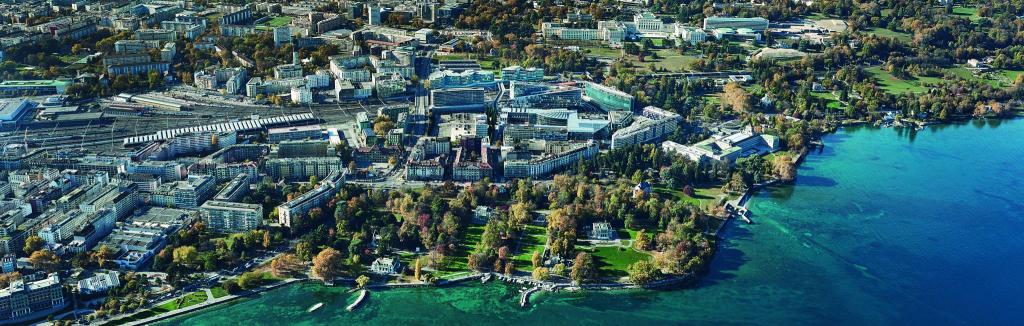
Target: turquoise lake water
[[883, 226]]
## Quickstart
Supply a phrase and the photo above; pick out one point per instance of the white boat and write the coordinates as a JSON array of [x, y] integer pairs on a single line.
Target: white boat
[[315, 307]]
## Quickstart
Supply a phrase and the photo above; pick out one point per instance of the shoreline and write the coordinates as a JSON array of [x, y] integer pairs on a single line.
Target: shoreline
[[212, 302], [508, 280], [539, 286]]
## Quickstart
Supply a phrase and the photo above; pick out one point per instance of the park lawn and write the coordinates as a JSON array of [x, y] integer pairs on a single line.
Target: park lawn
[[627, 234], [884, 32], [279, 21], [533, 239], [269, 277], [487, 64], [713, 98], [703, 197], [772, 156], [1009, 76], [407, 259], [470, 240], [218, 292], [191, 299], [833, 103], [70, 58], [658, 42], [894, 85], [668, 59], [602, 51], [968, 75], [613, 261], [968, 12]]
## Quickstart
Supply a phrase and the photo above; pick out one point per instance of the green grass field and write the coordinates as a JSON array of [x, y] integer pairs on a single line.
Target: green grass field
[[488, 64], [995, 80], [613, 261], [627, 234], [702, 197], [904, 37], [191, 299], [1010, 76], [967, 12], [658, 42], [70, 58], [279, 21], [895, 85], [470, 240], [218, 292], [712, 99], [602, 51], [533, 239], [833, 102], [668, 59]]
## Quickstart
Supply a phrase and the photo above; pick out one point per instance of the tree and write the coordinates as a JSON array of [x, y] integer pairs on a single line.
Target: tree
[[558, 269], [536, 258], [362, 281], [476, 261], [285, 265], [510, 267], [382, 125], [643, 241], [33, 244], [582, 268], [736, 97], [416, 270], [250, 280], [784, 168], [45, 260], [688, 191], [541, 274], [519, 214], [231, 286], [304, 250], [185, 255], [7, 278], [642, 272], [327, 264], [103, 255]]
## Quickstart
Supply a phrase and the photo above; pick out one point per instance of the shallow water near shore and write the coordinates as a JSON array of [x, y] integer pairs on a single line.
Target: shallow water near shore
[[883, 226]]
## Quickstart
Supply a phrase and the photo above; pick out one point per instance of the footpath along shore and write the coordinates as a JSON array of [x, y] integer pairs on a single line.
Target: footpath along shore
[[206, 304]]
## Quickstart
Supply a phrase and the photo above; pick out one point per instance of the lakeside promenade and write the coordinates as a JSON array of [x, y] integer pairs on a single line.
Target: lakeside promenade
[[211, 301]]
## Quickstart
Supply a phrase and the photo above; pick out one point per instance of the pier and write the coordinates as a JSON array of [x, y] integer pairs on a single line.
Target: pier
[[359, 300], [524, 300]]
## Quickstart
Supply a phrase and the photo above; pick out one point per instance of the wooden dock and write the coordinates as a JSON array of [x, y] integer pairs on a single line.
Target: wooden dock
[[359, 300]]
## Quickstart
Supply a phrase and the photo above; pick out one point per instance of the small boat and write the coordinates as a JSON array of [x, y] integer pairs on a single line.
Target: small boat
[[315, 307], [485, 278]]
